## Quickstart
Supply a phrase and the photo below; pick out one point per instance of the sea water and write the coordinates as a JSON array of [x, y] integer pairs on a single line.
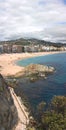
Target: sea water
[[55, 84]]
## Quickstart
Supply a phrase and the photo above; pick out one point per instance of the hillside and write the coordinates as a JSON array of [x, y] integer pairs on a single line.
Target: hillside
[[26, 41]]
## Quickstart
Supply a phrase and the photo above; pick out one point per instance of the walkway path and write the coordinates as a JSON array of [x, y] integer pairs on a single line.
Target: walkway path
[[22, 114]]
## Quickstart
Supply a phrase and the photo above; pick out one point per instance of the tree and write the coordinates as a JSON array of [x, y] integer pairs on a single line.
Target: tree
[[59, 104], [55, 117], [41, 106]]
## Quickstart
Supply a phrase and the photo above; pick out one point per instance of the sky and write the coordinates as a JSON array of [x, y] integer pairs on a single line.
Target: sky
[[41, 19]]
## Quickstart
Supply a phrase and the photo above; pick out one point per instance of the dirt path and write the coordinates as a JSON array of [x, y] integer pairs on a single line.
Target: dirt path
[[22, 114]]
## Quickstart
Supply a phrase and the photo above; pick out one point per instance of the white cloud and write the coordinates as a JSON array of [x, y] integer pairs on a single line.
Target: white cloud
[[45, 19]]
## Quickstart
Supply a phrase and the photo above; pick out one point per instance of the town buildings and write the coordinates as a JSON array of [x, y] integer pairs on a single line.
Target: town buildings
[[14, 48]]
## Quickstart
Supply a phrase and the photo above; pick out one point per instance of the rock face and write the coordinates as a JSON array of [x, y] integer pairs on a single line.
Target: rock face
[[8, 113]]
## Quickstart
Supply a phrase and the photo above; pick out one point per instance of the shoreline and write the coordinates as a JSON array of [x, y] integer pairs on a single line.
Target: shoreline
[[8, 66]]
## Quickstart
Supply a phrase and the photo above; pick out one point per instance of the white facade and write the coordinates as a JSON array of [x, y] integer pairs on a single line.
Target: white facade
[[1, 48]]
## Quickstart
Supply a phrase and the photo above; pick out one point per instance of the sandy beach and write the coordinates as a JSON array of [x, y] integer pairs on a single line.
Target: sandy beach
[[7, 61]]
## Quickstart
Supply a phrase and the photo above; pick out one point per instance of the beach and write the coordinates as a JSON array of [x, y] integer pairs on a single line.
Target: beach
[[8, 67]]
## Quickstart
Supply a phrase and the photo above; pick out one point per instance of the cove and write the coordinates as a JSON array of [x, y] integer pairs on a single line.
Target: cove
[[44, 90]]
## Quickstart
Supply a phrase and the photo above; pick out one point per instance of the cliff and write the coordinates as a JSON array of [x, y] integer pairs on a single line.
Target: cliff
[[8, 113]]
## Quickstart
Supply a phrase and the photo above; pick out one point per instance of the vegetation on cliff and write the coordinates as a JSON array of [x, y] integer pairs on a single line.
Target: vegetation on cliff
[[53, 117]]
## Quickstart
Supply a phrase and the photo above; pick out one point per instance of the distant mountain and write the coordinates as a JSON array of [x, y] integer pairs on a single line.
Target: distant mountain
[[28, 41]]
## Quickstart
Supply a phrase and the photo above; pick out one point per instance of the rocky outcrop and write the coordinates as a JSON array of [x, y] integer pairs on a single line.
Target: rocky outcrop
[[8, 113], [36, 71], [37, 68]]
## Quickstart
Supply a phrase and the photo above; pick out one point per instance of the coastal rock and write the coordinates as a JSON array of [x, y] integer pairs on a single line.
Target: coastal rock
[[8, 113], [36, 71], [35, 68]]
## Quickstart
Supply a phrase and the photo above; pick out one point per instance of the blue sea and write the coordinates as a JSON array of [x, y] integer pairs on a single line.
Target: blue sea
[[55, 84]]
